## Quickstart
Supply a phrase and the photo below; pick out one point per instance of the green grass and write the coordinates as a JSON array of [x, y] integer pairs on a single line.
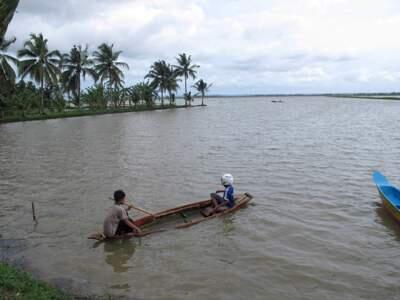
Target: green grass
[[81, 113], [15, 284]]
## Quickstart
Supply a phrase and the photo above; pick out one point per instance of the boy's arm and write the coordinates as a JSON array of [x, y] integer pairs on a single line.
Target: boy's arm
[[140, 209], [133, 226]]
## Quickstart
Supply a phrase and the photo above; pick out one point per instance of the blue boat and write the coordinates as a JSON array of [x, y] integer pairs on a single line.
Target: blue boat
[[389, 193]]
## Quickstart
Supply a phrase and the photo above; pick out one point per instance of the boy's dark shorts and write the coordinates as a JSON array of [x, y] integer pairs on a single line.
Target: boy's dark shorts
[[123, 228], [217, 198]]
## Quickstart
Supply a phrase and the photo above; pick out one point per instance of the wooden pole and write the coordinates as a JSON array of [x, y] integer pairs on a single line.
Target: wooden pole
[[33, 212]]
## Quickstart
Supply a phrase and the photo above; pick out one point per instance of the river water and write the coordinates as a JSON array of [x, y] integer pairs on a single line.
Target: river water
[[315, 229]]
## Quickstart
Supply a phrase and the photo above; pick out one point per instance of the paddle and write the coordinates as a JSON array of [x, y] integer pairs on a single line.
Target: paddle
[[141, 209]]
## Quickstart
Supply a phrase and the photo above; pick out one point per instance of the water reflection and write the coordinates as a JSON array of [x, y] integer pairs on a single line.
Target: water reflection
[[387, 220], [118, 254], [228, 224]]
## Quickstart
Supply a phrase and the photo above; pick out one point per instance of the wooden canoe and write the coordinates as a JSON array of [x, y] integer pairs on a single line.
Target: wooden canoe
[[179, 217], [390, 195]]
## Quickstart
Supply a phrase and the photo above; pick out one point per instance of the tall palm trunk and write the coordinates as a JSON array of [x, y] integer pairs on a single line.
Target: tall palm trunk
[[162, 98], [170, 97], [78, 87], [79, 93], [202, 98], [185, 91], [41, 95]]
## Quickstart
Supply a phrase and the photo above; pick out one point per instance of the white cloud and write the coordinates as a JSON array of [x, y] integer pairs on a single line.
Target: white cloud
[[242, 46]]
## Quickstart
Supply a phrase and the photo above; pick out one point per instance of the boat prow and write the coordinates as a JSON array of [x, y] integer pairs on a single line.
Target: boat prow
[[389, 193]]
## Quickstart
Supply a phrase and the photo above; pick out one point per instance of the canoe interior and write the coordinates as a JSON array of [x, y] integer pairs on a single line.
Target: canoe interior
[[185, 215], [170, 221]]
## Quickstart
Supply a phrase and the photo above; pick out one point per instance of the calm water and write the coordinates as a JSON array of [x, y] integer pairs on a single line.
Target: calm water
[[314, 231]]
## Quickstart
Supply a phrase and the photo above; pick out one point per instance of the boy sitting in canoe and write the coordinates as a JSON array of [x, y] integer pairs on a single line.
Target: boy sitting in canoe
[[117, 221], [219, 202]]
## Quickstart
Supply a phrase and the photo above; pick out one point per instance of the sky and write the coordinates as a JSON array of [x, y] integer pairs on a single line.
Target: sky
[[242, 46]]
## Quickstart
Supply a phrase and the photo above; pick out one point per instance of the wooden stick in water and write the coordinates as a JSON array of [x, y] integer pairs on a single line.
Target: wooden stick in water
[[33, 212]]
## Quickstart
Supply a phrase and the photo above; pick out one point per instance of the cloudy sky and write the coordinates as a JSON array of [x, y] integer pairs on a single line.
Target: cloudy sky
[[242, 46]]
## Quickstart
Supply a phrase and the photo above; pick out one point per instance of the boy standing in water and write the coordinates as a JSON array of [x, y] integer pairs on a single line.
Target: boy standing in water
[[117, 222], [221, 203]]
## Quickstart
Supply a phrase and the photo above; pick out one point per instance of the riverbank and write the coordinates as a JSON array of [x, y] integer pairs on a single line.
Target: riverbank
[[382, 97], [17, 284], [83, 112]]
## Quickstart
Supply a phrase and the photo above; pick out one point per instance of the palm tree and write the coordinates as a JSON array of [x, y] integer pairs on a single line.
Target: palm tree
[[94, 97], [41, 64], [134, 95], [202, 87], [186, 69], [6, 70], [172, 84], [160, 73], [76, 64], [107, 66], [7, 10], [147, 92]]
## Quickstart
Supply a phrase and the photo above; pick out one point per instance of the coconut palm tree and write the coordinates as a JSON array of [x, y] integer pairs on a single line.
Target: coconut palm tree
[[7, 10], [6, 70], [7, 73], [160, 74], [40, 63], [76, 64], [147, 92], [186, 69], [95, 97], [107, 66], [172, 83], [133, 95], [202, 87]]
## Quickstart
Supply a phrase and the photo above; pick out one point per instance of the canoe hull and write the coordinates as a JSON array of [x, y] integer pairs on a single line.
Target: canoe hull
[[390, 195], [179, 217], [393, 211]]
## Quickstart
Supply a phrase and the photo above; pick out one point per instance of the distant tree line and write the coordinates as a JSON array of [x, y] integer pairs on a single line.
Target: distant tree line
[[39, 80]]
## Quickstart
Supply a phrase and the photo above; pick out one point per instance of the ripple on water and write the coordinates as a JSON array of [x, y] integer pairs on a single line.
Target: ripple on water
[[313, 232]]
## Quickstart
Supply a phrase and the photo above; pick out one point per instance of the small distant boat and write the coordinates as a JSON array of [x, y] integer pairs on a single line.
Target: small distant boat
[[179, 217], [390, 195], [277, 101]]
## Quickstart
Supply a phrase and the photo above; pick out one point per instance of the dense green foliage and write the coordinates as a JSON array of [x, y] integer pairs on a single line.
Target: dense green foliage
[[15, 284], [50, 83], [54, 86], [164, 77]]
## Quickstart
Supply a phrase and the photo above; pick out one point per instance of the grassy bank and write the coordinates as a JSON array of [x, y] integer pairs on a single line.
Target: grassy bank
[[16, 284], [82, 112]]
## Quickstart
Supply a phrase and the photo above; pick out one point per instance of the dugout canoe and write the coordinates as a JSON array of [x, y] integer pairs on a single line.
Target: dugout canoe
[[179, 217], [390, 195]]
